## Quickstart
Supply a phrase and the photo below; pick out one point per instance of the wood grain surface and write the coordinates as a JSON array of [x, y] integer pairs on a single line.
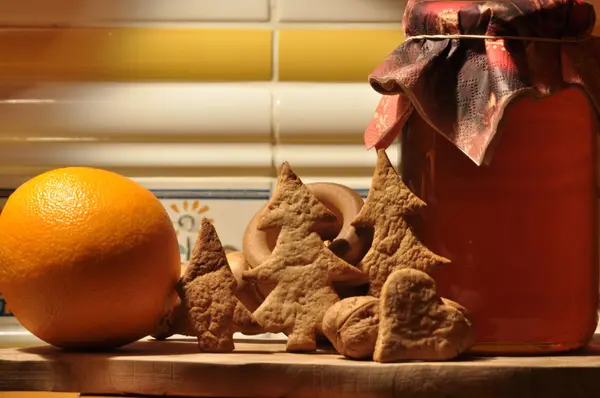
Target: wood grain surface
[[175, 368]]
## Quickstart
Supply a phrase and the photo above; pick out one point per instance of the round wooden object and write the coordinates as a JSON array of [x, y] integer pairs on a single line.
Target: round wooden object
[[346, 242], [247, 292]]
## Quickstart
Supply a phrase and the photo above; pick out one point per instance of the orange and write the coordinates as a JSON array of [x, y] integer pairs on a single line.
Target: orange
[[88, 258]]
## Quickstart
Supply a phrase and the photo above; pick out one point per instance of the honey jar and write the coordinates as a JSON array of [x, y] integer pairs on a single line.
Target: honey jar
[[496, 104]]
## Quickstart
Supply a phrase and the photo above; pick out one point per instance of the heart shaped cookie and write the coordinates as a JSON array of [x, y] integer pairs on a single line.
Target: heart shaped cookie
[[416, 324]]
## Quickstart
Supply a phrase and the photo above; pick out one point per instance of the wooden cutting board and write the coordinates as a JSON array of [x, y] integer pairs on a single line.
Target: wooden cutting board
[[264, 369]]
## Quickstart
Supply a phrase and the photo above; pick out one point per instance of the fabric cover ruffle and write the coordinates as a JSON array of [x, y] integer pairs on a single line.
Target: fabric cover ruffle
[[462, 86]]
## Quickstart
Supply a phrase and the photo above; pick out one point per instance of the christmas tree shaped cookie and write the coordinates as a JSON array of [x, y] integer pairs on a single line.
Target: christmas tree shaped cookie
[[301, 266], [394, 244], [207, 291]]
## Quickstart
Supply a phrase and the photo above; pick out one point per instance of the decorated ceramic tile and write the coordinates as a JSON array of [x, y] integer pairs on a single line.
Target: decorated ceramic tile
[[229, 210]]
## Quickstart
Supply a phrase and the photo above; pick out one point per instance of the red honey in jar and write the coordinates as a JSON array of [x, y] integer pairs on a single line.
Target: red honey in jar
[[499, 139]]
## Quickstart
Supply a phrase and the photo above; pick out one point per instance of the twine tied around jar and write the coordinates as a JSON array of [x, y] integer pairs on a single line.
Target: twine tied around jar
[[488, 37], [550, 21]]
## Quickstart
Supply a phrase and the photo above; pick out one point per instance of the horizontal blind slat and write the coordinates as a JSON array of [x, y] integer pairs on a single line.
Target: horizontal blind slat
[[82, 12], [351, 160], [30, 55], [321, 113], [118, 154], [136, 110], [341, 10], [176, 129]]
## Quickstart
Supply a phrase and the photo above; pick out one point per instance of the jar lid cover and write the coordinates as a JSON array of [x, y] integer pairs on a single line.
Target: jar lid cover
[[463, 62]]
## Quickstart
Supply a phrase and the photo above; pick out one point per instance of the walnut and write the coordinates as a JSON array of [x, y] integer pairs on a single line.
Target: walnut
[[351, 325]]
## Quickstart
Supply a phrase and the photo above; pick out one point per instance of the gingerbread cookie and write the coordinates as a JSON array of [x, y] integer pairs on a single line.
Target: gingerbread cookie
[[177, 321], [347, 243], [416, 324], [301, 267], [394, 246], [352, 325], [207, 291]]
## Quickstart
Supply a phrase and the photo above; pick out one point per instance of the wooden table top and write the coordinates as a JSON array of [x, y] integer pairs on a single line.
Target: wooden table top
[[264, 369]]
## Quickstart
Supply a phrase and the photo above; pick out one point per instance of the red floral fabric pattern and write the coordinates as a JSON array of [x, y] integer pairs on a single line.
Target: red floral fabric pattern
[[462, 85]]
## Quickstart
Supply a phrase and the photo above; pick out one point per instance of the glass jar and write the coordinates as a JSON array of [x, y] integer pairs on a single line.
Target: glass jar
[[521, 232], [497, 105]]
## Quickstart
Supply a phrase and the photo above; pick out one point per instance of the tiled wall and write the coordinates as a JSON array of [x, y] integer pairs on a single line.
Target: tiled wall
[[199, 100]]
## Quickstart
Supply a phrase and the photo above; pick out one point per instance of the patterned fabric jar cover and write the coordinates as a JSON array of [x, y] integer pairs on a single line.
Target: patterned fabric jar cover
[[461, 86]]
